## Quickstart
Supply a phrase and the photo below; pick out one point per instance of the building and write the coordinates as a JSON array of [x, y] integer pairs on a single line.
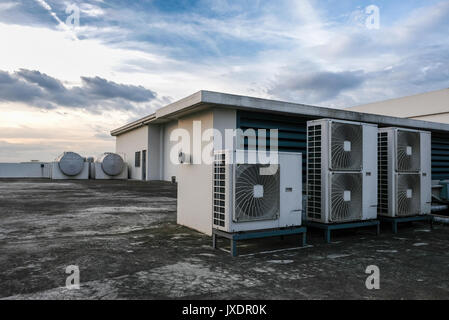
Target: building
[[148, 148], [431, 106]]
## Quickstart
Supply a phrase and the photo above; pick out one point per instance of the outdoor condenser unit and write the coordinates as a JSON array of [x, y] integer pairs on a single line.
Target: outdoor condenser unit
[[341, 171], [251, 196], [405, 186]]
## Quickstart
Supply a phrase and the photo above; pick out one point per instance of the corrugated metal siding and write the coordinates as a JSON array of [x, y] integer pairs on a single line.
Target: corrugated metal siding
[[292, 137], [292, 131], [440, 156]]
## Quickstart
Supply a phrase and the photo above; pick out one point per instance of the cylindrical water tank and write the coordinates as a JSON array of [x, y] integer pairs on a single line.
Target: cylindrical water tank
[[70, 163], [111, 163]]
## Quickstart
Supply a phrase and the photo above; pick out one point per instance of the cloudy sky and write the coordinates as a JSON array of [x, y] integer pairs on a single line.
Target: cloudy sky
[[64, 85]]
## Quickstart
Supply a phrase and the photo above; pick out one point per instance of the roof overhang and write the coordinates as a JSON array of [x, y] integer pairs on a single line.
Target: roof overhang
[[208, 99]]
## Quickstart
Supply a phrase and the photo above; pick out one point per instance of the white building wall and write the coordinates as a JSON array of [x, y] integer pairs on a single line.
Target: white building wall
[[128, 144], [195, 180], [169, 168], [25, 170], [155, 140], [430, 106]]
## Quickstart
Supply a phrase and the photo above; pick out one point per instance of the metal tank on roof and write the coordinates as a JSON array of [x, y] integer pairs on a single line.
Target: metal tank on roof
[[111, 163], [70, 163]]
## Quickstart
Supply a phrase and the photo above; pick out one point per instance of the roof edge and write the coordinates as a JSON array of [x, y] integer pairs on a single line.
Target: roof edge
[[212, 98], [133, 125]]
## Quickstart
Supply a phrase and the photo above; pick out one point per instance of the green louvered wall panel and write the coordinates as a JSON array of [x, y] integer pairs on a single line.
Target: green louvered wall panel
[[292, 131], [440, 156]]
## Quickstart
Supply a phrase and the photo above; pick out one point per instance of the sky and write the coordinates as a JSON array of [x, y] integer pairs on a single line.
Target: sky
[[71, 71]]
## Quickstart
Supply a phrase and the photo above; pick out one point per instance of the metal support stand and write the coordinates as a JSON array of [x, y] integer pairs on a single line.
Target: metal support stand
[[234, 237], [396, 220], [350, 225]]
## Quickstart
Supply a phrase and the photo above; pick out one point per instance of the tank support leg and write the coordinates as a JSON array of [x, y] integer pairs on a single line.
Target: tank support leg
[[233, 248], [327, 235], [395, 227]]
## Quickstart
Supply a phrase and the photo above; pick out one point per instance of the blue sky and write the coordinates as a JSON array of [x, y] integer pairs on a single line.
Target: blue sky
[[128, 58]]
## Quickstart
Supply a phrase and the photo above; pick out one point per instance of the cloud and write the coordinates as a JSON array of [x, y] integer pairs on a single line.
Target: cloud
[[104, 89], [315, 87], [242, 47], [40, 79], [16, 152], [48, 151], [95, 94]]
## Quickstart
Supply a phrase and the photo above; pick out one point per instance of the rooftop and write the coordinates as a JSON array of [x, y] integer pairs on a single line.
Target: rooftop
[[124, 238]]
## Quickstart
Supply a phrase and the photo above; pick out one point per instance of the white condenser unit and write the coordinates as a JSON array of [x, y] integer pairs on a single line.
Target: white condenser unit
[[405, 185], [250, 196], [341, 171]]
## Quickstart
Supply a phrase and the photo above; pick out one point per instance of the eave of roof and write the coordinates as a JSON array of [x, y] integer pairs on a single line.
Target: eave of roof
[[203, 99]]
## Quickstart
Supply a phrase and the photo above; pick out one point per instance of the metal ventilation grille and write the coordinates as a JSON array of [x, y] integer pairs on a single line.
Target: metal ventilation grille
[[408, 151], [346, 197], [408, 194], [219, 189], [382, 166], [256, 196], [346, 146], [314, 172]]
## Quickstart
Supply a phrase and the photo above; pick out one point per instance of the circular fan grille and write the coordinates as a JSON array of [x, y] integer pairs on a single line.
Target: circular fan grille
[[408, 197], [346, 146], [346, 197], [256, 196], [408, 151]]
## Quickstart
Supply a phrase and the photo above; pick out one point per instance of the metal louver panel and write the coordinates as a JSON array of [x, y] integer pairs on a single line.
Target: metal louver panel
[[256, 196], [346, 146], [408, 151], [219, 189], [408, 195], [382, 165], [346, 197], [314, 172]]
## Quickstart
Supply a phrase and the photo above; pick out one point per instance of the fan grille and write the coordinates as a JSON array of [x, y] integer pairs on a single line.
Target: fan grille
[[346, 146], [250, 206], [382, 166], [408, 151], [408, 194], [314, 172], [346, 197]]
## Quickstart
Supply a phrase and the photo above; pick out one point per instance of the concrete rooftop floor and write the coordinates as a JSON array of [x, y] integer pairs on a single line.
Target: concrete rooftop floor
[[124, 238]]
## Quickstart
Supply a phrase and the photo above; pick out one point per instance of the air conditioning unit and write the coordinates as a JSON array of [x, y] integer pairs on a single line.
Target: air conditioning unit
[[405, 185], [109, 166], [249, 196], [70, 165], [341, 171]]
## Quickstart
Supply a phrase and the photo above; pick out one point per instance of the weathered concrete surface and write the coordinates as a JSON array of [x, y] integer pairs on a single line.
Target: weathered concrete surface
[[123, 237]]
